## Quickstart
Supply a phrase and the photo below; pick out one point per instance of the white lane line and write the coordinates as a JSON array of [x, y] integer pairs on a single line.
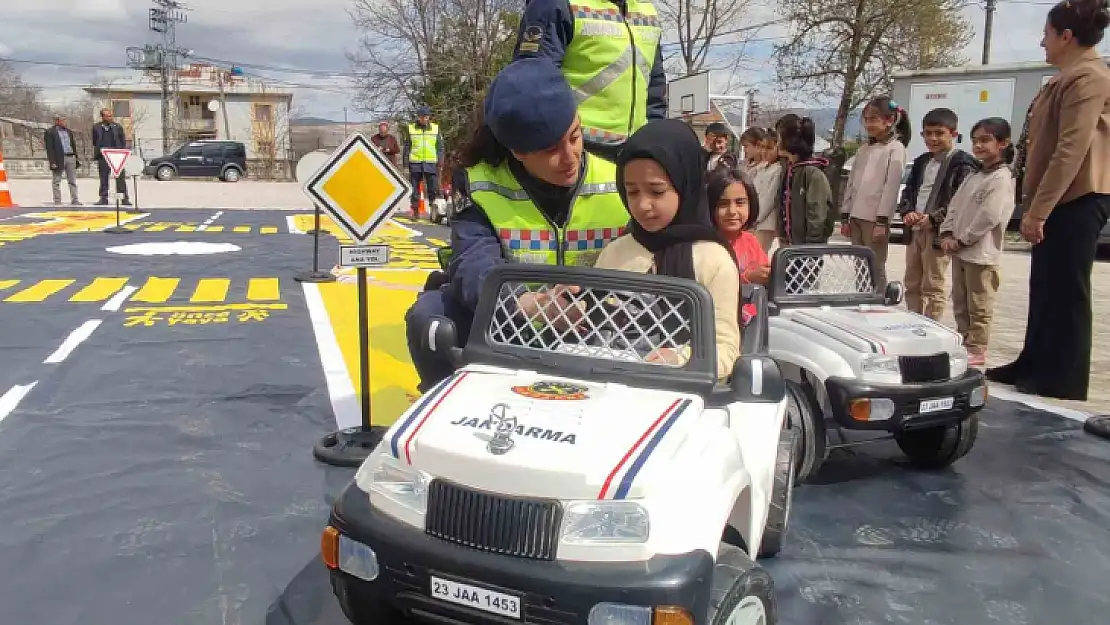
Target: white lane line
[[208, 222], [1036, 404], [74, 339], [114, 304], [413, 231], [11, 399], [344, 403], [291, 222]]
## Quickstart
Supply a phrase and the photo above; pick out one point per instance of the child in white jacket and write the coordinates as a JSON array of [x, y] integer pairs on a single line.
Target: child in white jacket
[[973, 234]]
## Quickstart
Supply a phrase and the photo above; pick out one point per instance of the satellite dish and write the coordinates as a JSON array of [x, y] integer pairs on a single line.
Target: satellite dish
[[310, 164], [213, 105]]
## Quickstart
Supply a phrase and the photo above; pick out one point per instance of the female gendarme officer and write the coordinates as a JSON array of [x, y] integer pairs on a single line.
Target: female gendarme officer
[[532, 195]]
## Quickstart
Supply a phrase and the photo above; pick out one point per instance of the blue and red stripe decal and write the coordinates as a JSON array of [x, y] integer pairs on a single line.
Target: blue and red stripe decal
[[424, 409], [646, 444]]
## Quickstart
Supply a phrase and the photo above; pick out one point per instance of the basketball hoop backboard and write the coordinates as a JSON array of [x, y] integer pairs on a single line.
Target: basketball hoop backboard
[[688, 95]]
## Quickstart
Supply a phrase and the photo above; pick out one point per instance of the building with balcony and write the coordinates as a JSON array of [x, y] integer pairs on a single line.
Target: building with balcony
[[211, 103]]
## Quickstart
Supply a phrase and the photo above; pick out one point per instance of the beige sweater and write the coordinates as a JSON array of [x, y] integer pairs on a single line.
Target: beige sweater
[[978, 214], [872, 190], [714, 269]]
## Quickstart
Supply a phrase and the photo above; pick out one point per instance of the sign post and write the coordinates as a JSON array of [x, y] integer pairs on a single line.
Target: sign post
[[307, 168], [359, 189], [116, 159]]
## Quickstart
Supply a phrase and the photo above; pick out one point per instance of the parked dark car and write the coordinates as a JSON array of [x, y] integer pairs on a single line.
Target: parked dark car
[[226, 160]]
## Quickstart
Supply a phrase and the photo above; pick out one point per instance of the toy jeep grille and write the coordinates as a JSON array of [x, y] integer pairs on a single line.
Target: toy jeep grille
[[917, 369], [523, 528], [628, 326]]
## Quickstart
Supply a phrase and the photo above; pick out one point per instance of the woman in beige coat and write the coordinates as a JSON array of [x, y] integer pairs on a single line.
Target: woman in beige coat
[[1066, 192]]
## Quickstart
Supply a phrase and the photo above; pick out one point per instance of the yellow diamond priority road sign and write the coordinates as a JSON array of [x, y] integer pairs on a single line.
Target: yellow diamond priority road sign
[[358, 187]]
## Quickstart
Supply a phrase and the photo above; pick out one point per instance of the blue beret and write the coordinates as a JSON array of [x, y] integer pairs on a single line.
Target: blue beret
[[424, 110], [529, 105]]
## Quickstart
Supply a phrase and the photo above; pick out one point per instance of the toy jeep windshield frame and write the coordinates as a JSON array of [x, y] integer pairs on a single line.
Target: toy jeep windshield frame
[[697, 374], [807, 276]]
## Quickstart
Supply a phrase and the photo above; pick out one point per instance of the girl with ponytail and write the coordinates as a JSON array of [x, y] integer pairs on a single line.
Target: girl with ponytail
[[872, 192]]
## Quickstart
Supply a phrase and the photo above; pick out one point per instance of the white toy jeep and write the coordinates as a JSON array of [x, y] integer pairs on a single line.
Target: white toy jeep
[[570, 476], [853, 360]]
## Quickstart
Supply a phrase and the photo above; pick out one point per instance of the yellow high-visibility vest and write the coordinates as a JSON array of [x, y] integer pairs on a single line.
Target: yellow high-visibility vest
[[596, 216], [608, 65], [424, 143]]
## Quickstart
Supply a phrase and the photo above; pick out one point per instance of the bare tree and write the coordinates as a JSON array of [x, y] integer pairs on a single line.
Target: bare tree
[[19, 99], [848, 49], [409, 48], [701, 26]]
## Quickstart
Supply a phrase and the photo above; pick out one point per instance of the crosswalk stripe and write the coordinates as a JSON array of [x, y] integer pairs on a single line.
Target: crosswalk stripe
[[263, 290], [241, 229], [99, 290], [7, 284], [268, 230], [214, 229], [39, 291], [157, 227], [156, 290], [186, 229], [211, 290]]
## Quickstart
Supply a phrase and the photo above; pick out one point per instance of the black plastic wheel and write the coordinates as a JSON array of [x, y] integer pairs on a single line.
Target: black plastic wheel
[[738, 586], [938, 447], [782, 495], [808, 423]]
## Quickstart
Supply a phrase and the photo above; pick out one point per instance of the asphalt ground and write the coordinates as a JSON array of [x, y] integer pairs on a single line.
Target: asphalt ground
[[157, 415]]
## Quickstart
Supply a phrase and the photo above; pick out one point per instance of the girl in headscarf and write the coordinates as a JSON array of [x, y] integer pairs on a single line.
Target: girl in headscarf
[[661, 178]]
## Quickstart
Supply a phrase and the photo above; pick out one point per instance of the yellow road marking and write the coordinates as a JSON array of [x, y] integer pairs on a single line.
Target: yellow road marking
[[211, 290], [40, 291], [158, 227], [7, 284], [208, 308], [186, 229], [268, 230], [241, 229], [99, 290], [156, 290], [263, 289], [214, 229], [437, 242]]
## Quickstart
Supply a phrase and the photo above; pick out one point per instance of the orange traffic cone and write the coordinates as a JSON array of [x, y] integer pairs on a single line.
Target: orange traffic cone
[[5, 193], [422, 205]]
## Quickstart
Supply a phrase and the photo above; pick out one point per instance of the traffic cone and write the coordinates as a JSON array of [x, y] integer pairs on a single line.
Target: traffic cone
[[5, 193], [422, 205]]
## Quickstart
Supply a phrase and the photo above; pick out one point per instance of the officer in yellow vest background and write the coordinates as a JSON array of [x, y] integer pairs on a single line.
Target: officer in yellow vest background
[[531, 195], [423, 153], [610, 52]]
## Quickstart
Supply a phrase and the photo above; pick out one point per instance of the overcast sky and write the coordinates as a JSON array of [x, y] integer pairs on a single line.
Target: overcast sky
[[315, 35]]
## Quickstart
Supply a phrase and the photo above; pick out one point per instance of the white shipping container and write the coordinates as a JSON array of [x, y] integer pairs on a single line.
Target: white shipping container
[[971, 100]]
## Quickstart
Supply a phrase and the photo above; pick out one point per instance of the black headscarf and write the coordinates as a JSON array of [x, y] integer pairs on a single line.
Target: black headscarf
[[674, 145]]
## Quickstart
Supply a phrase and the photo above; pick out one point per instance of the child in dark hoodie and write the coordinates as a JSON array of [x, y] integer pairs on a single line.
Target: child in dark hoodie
[[806, 213], [934, 178]]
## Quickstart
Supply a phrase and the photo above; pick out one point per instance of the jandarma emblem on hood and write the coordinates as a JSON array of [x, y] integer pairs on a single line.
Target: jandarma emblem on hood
[[501, 441], [559, 391]]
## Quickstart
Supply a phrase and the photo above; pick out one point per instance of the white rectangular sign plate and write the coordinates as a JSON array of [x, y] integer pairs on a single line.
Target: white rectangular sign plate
[[363, 255]]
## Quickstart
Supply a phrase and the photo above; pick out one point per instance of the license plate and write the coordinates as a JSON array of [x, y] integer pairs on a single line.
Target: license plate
[[936, 405], [476, 597]]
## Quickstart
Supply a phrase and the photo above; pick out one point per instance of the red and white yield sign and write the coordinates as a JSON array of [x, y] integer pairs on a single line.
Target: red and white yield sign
[[116, 158]]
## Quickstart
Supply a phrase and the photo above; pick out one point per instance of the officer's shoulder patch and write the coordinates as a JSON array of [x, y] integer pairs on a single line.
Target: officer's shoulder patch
[[532, 33], [530, 38]]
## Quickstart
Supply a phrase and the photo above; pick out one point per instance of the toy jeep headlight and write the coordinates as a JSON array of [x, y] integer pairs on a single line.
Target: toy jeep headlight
[[957, 364], [400, 482], [589, 522], [880, 365]]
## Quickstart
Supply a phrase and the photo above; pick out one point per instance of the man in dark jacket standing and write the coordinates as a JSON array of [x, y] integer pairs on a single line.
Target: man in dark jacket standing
[[387, 143], [108, 134], [61, 153]]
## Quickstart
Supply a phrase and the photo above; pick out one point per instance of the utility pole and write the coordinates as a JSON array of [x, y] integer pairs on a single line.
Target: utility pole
[[223, 102], [988, 26], [345, 133], [164, 17]]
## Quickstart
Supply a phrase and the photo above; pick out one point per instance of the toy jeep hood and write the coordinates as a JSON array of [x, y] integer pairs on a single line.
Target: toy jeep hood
[[517, 433], [880, 329]]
